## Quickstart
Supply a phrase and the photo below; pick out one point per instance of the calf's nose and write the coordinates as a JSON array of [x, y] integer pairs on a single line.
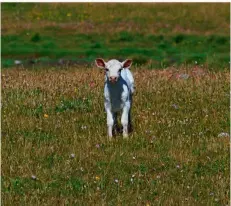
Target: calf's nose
[[113, 79]]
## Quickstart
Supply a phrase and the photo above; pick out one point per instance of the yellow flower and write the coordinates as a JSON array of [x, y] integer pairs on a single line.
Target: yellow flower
[[45, 115], [97, 178], [68, 14]]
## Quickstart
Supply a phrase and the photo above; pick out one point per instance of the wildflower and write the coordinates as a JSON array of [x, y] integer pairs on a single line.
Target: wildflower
[[69, 14], [211, 193], [97, 178], [152, 139], [45, 115], [134, 157], [97, 146], [83, 127], [178, 166], [81, 169], [116, 180], [33, 177], [175, 106], [195, 62], [158, 176], [72, 155], [92, 84], [148, 131], [188, 186], [223, 134]]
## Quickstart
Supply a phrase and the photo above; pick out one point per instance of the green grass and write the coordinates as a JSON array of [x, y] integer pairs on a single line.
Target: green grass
[[173, 157], [160, 35], [156, 50], [158, 18]]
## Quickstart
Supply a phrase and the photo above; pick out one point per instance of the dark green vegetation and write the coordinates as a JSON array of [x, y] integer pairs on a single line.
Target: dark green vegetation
[[157, 50], [159, 35]]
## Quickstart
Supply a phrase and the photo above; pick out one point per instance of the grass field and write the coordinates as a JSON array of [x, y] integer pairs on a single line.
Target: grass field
[[54, 147], [54, 127]]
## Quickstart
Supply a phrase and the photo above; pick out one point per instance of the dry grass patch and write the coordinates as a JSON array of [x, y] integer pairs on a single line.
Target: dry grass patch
[[55, 149]]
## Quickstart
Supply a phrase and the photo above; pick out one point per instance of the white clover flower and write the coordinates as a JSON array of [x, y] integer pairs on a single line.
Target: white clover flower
[[33, 177]]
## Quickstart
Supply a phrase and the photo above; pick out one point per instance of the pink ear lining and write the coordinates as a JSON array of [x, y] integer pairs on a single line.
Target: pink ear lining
[[127, 63], [100, 62]]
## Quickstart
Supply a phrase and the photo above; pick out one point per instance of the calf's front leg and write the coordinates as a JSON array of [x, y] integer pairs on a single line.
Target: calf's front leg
[[110, 122], [124, 119]]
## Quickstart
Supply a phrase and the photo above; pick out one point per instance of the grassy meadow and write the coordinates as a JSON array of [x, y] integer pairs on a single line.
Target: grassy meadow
[[54, 127], [160, 35], [54, 147]]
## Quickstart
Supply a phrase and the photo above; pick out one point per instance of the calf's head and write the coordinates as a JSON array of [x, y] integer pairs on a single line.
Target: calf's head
[[113, 68]]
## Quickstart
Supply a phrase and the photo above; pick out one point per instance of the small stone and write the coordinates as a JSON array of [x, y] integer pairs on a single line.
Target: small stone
[[17, 62], [223, 134], [184, 76]]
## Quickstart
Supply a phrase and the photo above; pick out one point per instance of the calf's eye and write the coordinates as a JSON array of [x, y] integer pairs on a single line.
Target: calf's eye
[[106, 69]]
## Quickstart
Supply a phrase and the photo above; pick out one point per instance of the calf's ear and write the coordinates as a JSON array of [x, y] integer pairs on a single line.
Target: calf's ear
[[127, 63], [100, 63]]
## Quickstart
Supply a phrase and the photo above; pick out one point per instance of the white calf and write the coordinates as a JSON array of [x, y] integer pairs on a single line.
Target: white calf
[[118, 90]]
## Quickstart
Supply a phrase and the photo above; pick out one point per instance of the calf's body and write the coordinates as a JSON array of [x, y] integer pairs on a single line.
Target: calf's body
[[118, 94]]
